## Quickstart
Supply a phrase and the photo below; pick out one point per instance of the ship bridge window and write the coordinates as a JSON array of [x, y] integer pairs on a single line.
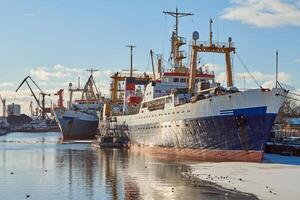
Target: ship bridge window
[[175, 80], [166, 80], [182, 80]]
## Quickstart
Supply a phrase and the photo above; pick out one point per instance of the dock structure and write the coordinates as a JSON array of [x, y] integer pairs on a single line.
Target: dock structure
[[111, 134]]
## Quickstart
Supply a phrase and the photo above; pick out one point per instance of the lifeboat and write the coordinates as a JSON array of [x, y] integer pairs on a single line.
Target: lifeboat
[[134, 100]]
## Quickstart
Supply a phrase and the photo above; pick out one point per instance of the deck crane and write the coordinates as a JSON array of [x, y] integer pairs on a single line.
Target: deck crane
[[3, 106], [41, 104]]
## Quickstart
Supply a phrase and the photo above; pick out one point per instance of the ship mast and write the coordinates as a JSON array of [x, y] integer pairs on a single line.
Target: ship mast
[[131, 58], [176, 40], [210, 47], [88, 88]]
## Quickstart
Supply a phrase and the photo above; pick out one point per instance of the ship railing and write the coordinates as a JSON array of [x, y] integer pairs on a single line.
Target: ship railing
[[214, 44], [205, 70], [126, 73]]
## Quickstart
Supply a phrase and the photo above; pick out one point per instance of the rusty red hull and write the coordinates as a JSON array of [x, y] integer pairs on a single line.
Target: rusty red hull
[[201, 154]]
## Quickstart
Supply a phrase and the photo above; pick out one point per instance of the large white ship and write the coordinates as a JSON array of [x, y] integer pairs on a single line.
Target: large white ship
[[185, 112]]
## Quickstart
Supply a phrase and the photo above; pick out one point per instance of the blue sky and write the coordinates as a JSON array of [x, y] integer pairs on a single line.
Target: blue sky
[[53, 41]]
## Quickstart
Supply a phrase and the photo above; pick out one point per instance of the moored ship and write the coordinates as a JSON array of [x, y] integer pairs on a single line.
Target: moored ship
[[80, 120], [185, 112]]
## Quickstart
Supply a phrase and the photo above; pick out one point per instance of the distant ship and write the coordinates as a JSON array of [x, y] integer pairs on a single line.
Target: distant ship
[[184, 112], [80, 120]]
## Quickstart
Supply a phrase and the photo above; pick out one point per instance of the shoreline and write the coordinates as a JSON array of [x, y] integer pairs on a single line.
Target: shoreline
[[198, 182], [263, 180]]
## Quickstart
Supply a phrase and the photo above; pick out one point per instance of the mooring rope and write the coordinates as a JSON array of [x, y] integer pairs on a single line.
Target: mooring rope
[[288, 97]]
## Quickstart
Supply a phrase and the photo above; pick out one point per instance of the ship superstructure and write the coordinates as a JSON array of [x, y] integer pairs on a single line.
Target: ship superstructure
[[185, 112]]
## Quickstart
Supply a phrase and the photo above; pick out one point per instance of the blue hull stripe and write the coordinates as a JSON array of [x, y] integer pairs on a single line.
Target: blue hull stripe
[[254, 111]]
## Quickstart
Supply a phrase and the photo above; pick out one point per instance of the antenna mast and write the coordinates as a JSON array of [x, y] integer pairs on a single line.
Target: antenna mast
[[210, 32], [276, 69], [177, 15], [88, 88], [91, 71], [176, 40], [131, 58]]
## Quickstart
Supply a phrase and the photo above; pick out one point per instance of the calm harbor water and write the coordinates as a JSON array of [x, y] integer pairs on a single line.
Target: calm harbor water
[[37, 165]]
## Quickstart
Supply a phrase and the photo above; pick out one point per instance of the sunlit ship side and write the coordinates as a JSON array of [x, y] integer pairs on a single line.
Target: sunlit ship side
[[231, 127]]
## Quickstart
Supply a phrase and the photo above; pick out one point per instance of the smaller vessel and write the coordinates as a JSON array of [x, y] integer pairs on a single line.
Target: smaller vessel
[[111, 134], [80, 120]]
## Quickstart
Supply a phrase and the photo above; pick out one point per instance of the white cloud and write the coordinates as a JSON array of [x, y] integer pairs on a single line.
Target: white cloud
[[6, 84], [103, 74], [44, 74], [56, 72], [265, 80], [220, 77], [59, 71], [264, 13], [259, 76], [271, 84], [213, 67]]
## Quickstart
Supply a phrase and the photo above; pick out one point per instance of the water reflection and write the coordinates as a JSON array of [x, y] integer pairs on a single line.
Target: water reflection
[[48, 170]]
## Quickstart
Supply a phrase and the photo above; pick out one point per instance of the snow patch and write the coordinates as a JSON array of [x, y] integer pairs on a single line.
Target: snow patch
[[266, 180]]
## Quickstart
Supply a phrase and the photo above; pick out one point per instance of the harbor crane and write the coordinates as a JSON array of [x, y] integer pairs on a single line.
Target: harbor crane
[[60, 101], [41, 104], [3, 106]]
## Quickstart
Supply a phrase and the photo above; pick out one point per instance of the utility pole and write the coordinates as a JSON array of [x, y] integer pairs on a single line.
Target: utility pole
[[210, 32], [276, 69], [177, 15], [131, 58]]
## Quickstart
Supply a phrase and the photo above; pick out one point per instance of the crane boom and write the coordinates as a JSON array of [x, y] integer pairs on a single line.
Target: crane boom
[[36, 99], [36, 85], [41, 104], [25, 79]]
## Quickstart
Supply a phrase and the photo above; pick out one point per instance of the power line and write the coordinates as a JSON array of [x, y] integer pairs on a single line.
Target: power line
[[245, 66]]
